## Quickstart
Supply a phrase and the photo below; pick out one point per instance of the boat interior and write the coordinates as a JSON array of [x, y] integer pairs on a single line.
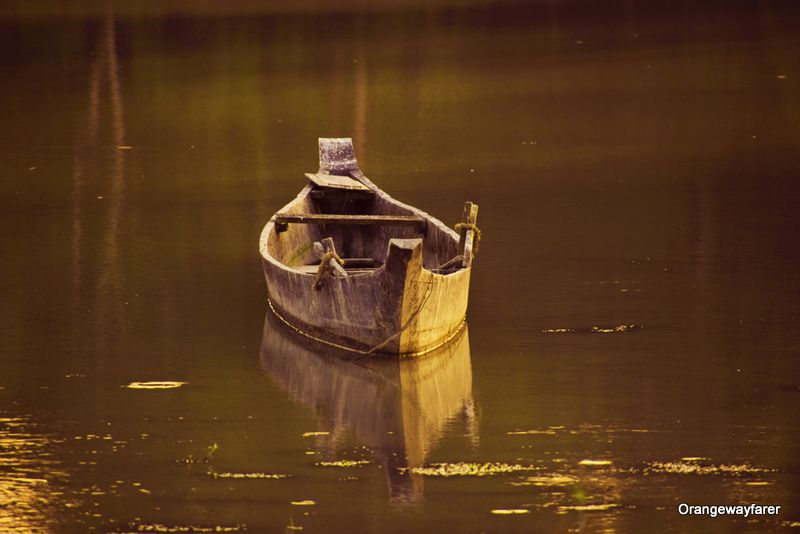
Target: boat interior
[[359, 222]]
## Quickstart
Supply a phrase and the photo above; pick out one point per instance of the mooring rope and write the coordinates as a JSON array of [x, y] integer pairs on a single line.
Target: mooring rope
[[474, 227], [377, 347]]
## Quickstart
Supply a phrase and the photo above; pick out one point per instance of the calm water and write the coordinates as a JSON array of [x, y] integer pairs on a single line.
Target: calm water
[[634, 164]]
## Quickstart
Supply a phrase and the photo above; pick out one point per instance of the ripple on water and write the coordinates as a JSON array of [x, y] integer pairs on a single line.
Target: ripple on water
[[510, 511], [318, 433], [272, 476], [163, 384], [549, 480], [588, 507], [343, 463], [615, 329], [27, 476], [159, 527], [595, 463]]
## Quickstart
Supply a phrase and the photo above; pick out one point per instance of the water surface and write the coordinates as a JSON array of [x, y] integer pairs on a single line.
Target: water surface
[[635, 164]]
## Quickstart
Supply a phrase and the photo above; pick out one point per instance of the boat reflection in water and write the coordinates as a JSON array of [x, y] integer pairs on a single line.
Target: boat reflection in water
[[398, 408]]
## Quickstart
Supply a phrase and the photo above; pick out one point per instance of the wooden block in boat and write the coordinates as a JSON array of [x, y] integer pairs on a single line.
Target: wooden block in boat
[[334, 181], [358, 262], [328, 246], [451, 263], [467, 238], [322, 193]]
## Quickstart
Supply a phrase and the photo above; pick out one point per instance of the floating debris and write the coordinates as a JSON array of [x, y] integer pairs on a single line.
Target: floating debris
[[554, 479], [594, 463], [688, 468], [618, 329], [343, 463], [511, 511], [758, 483], [250, 475], [468, 469], [156, 385], [157, 527], [309, 434], [307, 502], [588, 507], [693, 459], [548, 432]]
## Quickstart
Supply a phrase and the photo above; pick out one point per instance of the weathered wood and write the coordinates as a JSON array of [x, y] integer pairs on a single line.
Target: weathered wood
[[358, 263], [321, 193], [462, 233], [312, 269], [337, 154], [332, 181], [470, 218], [407, 300], [451, 263], [328, 246], [349, 263], [325, 218]]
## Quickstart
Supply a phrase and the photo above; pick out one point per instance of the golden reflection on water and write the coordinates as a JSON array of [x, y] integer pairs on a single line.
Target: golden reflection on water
[[163, 384], [399, 409], [27, 476], [599, 491]]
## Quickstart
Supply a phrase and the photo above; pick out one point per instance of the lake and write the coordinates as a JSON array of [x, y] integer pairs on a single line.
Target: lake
[[633, 332]]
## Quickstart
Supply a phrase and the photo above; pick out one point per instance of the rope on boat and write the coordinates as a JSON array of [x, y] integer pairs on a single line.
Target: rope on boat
[[474, 227], [363, 353], [324, 267]]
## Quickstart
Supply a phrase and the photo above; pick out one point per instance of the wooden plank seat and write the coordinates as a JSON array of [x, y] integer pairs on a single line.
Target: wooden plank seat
[[323, 193], [312, 269], [334, 181], [281, 220], [351, 266]]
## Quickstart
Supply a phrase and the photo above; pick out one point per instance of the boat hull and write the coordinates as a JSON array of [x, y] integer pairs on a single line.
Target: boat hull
[[403, 307]]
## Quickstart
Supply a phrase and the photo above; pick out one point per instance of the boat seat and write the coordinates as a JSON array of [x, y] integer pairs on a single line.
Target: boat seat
[[335, 181], [282, 220], [355, 267]]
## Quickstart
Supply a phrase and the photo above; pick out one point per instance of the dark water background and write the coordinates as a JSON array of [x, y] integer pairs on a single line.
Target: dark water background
[[635, 163]]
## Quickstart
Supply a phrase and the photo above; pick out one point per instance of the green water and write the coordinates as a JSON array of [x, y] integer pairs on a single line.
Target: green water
[[634, 164]]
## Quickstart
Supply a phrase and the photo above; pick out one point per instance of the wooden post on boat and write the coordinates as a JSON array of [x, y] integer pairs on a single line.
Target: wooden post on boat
[[328, 246], [466, 240], [337, 156], [329, 266]]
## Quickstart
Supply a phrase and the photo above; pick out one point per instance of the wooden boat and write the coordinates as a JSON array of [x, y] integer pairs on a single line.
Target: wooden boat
[[399, 408], [349, 266]]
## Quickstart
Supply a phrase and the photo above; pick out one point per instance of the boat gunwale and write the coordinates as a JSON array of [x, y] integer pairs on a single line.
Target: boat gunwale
[[301, 196]]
